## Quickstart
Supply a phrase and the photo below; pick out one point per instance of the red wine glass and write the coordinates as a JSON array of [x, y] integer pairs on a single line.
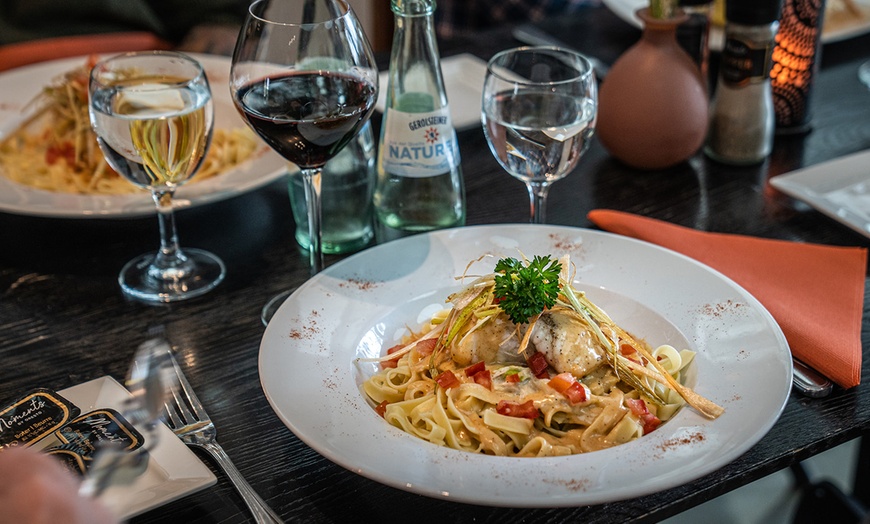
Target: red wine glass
[[304, 79]]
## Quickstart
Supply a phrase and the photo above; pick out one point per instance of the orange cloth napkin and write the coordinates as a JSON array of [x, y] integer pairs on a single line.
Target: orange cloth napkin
[[815, 292]]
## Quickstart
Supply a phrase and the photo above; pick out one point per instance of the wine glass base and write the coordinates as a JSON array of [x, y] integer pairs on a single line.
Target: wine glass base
[[196, 274], [864, 73], [272, 306]]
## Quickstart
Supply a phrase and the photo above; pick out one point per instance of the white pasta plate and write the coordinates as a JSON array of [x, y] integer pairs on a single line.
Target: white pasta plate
[[19, 86], [173, 471], [311, 375]]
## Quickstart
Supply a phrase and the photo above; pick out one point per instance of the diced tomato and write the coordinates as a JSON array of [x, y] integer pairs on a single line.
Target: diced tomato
[[381, 409], [65, 151], [638, 407], [473, 369], [513, 378], [628, 351], [426, 347], [566, 384], [447, 380], [480, 374], [512, 409], [576, 393], [561, 382], [538, 365], [650, 423], [484, 378], [394, 362]]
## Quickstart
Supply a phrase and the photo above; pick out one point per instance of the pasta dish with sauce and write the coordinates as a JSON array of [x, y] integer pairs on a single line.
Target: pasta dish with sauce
[[523, 364], [55, 148]]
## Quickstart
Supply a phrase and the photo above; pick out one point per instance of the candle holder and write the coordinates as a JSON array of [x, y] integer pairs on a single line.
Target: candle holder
[[796, 59]]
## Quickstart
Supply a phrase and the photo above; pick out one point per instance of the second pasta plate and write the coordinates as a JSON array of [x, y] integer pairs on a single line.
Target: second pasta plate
[[19, 86]]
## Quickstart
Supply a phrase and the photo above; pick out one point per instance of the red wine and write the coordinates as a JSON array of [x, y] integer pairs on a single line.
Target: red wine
[[307, 117]]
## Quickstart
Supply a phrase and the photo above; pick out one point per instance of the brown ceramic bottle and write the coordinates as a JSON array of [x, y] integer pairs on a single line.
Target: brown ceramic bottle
[[652, 106]]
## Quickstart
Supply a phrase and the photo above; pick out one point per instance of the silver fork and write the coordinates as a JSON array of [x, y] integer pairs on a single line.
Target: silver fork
[[187, 418]]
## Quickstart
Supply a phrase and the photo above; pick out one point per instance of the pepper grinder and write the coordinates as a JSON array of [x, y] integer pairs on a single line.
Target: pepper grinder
[[742, 122]]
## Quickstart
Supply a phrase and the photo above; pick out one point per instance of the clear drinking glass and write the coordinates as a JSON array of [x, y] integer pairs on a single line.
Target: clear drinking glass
[[153, 115], [539, 111], [304, 78]]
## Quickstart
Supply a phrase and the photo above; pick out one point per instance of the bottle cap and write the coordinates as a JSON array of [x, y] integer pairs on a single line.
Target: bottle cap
[[752, 12]]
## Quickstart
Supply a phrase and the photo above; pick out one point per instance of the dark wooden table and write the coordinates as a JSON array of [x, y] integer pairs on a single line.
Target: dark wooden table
[[63, 319]]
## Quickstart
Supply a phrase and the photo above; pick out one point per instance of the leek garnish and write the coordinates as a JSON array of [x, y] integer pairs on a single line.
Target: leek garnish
[[662, 9], [454, 323], [597, 317]]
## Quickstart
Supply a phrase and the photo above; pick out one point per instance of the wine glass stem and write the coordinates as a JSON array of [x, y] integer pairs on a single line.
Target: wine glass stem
[[538, 200], [170, 252], [311, 182]]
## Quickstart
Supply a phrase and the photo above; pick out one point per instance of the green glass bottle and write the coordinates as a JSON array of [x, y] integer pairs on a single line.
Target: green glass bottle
[[419, 177]]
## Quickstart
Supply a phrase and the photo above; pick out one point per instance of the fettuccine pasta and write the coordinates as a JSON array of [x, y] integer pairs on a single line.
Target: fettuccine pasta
[[56, 149], [567, 381]]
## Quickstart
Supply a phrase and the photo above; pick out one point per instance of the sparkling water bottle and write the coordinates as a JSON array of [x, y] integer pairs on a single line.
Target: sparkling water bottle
[[419, 179]]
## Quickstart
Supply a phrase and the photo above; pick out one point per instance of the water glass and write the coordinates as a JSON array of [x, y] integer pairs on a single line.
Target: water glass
[[539, 112]]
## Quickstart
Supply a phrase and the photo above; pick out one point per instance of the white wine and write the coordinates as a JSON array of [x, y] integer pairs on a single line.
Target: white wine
[[153, 116], [153, 131]]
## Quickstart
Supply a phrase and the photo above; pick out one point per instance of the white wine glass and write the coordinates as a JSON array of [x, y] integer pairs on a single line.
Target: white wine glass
[[539, 112], [153, 115], [304, 78]]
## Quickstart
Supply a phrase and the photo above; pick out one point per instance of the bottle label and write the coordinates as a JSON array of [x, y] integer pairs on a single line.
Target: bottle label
[[742, 64], [419, 145]]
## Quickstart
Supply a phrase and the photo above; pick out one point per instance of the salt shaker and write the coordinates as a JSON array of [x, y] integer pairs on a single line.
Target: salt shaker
[[742, 118]]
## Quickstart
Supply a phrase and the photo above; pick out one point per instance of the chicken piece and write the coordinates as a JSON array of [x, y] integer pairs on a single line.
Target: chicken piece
[[567, 343], [494, 341]]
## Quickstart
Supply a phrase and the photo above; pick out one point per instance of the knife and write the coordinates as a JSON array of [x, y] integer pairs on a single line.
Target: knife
[[809, 381], [529, 34]]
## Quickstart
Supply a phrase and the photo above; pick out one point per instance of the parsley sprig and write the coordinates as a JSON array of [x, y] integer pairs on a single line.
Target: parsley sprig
[[524, 290]]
